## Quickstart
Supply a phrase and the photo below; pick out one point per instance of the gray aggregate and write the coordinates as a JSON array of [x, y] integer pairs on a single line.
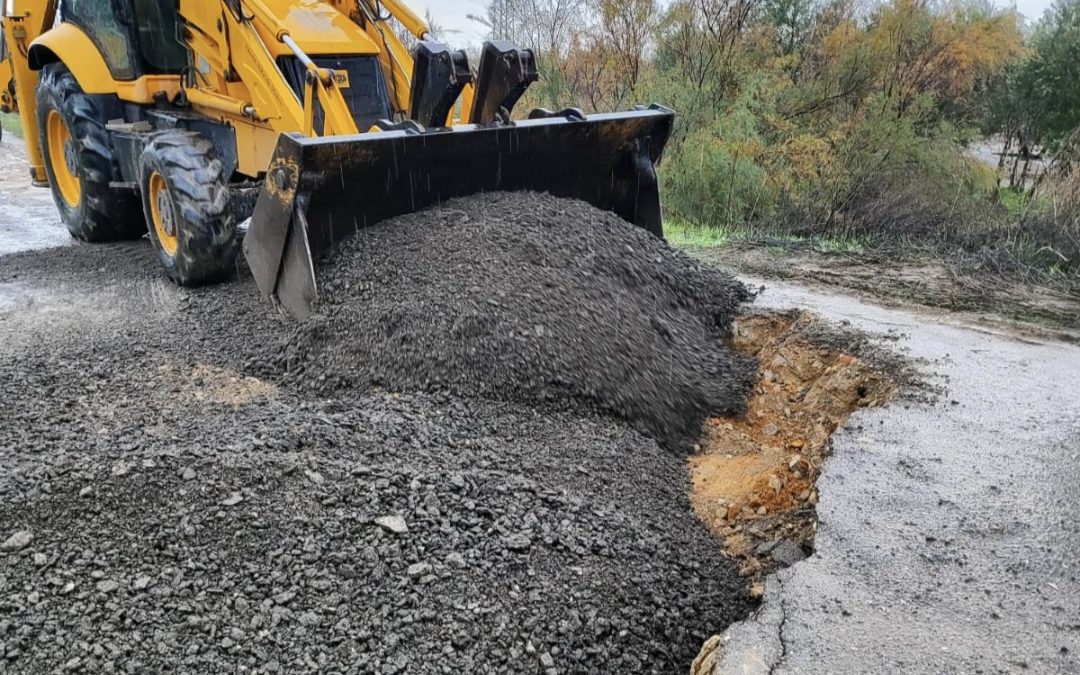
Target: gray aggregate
[[147, 525]]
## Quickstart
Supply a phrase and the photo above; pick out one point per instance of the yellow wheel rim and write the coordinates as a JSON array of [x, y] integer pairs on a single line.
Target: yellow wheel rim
[[161, 212], [62, 159]]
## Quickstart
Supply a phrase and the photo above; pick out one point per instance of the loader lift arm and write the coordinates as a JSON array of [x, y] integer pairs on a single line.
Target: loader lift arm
[[22, 22]]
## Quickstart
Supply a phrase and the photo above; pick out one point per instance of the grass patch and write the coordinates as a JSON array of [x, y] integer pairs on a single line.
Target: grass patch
[[681, 234], [1019, 203], [848, 244], [1013, 200], [12, 124]]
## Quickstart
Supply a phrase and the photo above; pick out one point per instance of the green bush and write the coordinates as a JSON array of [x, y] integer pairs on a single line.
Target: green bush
[[711, 183], [882, 177], [712, 176], [890, 179]]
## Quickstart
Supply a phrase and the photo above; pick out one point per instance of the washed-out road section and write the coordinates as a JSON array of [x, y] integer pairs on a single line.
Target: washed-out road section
[[949, 534]]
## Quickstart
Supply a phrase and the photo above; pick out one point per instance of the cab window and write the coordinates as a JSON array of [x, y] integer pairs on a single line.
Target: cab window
[[97, 19], [159, 46]]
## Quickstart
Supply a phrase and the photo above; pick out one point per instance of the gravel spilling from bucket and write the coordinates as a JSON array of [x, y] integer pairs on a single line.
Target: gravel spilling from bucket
[[526, 297], [161, 510]]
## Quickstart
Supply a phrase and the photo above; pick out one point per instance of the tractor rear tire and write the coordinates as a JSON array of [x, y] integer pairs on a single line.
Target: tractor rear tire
[[186, 202], [79, 162]]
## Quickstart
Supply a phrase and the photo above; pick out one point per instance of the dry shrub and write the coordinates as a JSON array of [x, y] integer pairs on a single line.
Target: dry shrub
[[1052, 232]]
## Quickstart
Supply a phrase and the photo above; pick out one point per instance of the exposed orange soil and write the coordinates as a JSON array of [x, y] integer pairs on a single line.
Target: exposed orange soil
[[753, 479]]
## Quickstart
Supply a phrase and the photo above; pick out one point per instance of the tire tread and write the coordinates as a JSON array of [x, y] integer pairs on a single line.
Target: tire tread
[[194, 175], [107, 214]]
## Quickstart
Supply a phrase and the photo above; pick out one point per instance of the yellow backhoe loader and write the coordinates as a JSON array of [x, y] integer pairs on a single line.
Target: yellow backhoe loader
[[289, 125]]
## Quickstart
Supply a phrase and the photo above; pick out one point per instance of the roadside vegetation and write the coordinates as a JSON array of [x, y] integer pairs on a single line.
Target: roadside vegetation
[[837, 124], [11, 124]]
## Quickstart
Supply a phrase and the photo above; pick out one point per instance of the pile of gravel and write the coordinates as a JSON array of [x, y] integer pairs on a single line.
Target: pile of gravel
[[161, 511], [529, 298], [391, 535]]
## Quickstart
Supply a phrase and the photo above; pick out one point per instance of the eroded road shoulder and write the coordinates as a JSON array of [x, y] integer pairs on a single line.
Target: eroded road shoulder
[[948, 538]]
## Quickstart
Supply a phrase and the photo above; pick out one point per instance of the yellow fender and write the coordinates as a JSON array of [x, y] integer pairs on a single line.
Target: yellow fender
[[69, 45]]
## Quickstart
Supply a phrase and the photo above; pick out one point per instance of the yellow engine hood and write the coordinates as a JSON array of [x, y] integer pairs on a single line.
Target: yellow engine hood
[[317, 27]]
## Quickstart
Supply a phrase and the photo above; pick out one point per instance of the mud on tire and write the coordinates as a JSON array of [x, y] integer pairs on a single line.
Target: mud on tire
[[93, 211], [186, 202]]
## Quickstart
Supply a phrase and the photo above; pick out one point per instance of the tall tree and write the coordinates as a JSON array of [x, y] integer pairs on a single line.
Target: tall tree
[[627, 27], [791, 20], [545, 26], [1050, 81]]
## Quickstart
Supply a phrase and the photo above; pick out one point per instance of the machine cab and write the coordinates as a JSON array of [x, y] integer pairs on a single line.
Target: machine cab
[[135, 37]]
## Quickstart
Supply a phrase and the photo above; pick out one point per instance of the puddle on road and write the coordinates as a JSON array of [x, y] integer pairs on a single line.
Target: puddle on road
[[753, 480]]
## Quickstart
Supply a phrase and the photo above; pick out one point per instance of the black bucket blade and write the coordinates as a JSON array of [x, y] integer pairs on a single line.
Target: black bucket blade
[[320, 191]]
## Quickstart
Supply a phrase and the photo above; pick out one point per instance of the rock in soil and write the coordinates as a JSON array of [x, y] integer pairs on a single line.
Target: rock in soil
[[787, 552], [566, 530], [525, 297], [17, 541]]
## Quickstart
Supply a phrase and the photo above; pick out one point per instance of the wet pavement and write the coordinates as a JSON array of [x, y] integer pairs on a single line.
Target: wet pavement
[[948, 538], [28, 216]]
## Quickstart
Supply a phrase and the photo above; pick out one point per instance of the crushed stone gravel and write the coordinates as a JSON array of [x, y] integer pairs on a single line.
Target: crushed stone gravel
[[232, 526], [526, 297]]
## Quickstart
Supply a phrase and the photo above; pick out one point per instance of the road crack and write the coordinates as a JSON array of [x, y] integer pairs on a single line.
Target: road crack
[[780, 629]]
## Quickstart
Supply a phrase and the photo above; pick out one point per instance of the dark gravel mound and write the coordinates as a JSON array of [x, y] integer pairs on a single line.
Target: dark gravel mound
[[528, 298], [161, 512]]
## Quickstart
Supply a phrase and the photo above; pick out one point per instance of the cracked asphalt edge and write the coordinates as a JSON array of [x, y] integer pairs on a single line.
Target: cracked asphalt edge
[[754, 646]]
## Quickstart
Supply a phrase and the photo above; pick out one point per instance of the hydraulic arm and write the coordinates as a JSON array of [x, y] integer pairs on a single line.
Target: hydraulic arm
[[23, 22]]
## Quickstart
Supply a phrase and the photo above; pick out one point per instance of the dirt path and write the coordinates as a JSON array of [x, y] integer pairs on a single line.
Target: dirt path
[[985, 298], [948, 538]]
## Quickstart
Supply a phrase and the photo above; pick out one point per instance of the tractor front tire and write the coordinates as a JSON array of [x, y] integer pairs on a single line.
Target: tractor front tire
[[79, 162], [186, 202]]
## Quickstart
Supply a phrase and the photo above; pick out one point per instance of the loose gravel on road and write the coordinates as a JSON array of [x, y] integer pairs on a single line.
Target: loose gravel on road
[[162, 509]]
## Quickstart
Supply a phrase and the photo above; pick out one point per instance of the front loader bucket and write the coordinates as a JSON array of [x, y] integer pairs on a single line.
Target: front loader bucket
[[319, 191]]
